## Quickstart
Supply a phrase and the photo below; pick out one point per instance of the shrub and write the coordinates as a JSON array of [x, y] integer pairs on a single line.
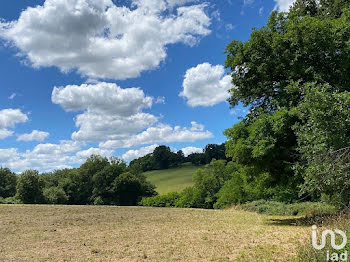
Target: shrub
[[10, 200], [129, 189], [167, 200], [232, 192], [187, 198], [278, 208], [55, 195]]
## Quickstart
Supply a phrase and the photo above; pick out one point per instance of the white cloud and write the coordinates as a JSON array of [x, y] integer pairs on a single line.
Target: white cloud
[[173, 3], [190, 149], [84, 154], [160, 100], [196, 127], [35, 135], [102, 40], [103, 98], [64, 147], [248, 2], [261, 10], [12, 96], [229, 27], [4, 133], [160, 134], [109, 112], [7, 154], [11, 117], [133, 154], [48, 157], [114, 117], [283, 5], [216, 14], [206, 85], [44, 157], [98, 127]]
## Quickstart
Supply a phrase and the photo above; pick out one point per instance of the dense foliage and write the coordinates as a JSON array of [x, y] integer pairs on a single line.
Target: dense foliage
[[98, 181], [294, 74], [163, 158], [8, 182]]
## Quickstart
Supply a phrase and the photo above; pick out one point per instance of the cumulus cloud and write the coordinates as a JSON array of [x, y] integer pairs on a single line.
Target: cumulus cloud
[[35, 135], [190, 150], [64, 147], [8, 119], [283, 5], [11, 117], [48, 157], [173, 3], [4, 133], [96, 127], [161, 133], [8, 154], [114, 116], [103, 98], [206, 85], [109, 112], [133, 154], [44, 157], [84, 154], [102, 40]]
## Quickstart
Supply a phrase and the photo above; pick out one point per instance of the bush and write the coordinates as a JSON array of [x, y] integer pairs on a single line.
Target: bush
[[232, 192], [10, 200], [278, 208], [167, 200], [129, 189], [187, 198], [55, 195]]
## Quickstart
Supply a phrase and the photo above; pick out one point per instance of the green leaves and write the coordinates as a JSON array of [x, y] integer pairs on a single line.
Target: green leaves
[[291, 48]]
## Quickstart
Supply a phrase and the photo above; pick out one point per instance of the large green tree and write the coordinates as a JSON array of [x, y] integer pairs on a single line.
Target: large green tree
[[324, 142], [292, 47], [308, 46], [30, 188], [8, 181], [103, 188]]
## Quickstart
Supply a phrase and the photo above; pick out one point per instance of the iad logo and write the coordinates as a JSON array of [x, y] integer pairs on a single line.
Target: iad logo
[[331, 256]]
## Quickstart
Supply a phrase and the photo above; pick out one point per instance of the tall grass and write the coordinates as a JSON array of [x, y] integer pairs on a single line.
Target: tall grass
[[307, 253], [302, 209]]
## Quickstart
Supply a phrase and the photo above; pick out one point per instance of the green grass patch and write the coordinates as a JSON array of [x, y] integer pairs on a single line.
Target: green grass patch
[[172, 180], [278, 208]]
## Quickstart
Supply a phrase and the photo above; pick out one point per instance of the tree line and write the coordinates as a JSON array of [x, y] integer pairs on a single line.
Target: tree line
[[98, 181], [163, 158]]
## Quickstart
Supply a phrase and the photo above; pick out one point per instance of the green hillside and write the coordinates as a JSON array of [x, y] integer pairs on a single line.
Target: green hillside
[[172, 180]]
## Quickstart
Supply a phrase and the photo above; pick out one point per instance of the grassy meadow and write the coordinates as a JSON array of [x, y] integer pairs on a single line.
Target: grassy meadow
[[106, 233], [173, 179]]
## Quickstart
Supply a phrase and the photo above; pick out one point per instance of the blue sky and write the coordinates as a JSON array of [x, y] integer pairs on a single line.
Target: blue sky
[[83, 77]]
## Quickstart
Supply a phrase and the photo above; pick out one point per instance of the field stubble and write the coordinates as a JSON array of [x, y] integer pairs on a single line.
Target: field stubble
[[105, 233]]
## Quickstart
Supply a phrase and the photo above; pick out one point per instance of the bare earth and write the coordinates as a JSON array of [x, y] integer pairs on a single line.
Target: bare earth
[[93, 233]]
